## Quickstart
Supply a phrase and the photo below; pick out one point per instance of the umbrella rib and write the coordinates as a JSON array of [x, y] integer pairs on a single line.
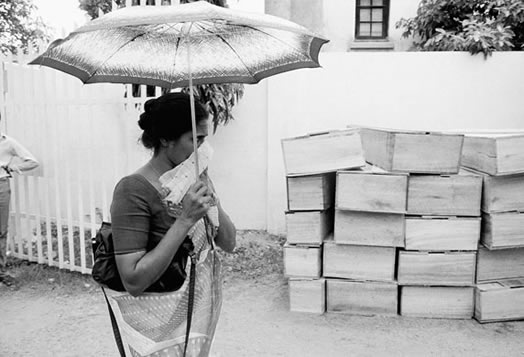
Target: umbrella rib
[[118, 49], [232, 49], [114, 53], [276, 38], [174, 62]]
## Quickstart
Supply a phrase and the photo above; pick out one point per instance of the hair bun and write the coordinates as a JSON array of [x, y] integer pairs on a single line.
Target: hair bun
[[148, 105], [145, 122]]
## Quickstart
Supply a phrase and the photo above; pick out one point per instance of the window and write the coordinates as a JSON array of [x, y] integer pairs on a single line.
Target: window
[[372, 19]]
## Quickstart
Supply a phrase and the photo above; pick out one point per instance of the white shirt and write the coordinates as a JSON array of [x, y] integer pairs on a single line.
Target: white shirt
[[10, 149]]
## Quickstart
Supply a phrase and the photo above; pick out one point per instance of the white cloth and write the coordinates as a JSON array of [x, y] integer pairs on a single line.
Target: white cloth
[[178, 180], [11, 149]]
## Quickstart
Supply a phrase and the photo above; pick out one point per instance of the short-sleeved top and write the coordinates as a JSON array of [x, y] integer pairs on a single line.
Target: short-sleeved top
[[139, 219]]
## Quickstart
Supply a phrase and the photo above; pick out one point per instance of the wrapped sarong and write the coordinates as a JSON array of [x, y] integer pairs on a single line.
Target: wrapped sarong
[[154, 324]]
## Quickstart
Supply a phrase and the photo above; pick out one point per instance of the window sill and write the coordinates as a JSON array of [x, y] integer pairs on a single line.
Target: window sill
[[371, 45]]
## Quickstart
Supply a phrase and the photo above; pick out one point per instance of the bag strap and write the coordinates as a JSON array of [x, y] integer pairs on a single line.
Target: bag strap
[[190, 302], [116, 331]]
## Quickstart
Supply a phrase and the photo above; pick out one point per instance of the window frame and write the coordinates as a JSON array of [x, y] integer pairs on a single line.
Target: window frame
[[385, 19]]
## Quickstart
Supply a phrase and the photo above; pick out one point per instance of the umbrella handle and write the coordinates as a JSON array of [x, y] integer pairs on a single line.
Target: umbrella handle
[[192, 104]]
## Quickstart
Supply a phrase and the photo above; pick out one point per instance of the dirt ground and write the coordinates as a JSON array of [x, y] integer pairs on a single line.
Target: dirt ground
[[66, 316]]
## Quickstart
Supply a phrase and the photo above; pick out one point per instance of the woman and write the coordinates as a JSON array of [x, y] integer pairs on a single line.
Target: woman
[[147, 235]]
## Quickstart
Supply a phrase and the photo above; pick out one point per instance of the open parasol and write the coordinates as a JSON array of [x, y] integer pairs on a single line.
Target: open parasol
[[184, 45]]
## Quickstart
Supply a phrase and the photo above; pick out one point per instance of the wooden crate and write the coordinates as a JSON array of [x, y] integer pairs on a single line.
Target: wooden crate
[[499, 264], [412, 151], [437, 302], [308, 227], [302, 261], [454, 195], [310, 193], [359, 262], [371, 192], [442, 233], [500, 301], [430, 268], [323, 152], [503, 230], [369, 228], [307, 295], [503, 193], [494, 154], [361, 297]]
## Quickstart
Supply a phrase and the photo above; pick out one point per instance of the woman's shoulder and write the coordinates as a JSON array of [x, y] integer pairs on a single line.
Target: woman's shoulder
[[135, 183]]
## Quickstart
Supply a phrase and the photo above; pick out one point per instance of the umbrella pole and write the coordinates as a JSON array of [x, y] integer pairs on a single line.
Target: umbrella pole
[[192, 104]]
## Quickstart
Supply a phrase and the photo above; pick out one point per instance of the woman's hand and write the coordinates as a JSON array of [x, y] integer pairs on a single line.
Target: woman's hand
[[196, 203]]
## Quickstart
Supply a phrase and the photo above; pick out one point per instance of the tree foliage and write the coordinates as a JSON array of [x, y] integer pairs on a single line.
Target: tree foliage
[[480, 26], [92, 7], [19, 26]]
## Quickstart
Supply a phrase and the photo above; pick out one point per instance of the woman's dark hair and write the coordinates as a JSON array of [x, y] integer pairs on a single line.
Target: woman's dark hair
[[168, 117]]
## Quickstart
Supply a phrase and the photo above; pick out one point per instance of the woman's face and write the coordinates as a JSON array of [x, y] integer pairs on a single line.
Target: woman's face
[[180, 149]]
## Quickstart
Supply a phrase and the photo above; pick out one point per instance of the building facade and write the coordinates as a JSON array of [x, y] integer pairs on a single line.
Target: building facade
[[350, 25]]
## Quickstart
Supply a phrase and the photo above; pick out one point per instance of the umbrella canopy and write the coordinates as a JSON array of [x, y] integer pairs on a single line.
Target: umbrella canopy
[[150, 45]]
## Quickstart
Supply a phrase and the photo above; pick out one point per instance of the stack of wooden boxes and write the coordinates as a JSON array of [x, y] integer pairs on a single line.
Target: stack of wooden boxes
[[311, 162], [436, 267], [499, 159], [359, 264]]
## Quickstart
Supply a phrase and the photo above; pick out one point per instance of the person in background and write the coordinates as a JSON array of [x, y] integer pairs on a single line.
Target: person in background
[[14, 158]]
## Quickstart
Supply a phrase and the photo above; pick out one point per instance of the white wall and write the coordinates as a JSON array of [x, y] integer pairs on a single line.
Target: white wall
[[239, 166], [335, 19]]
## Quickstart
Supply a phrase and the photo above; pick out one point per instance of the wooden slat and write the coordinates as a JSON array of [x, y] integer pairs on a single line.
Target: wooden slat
[[359, 262], [323, 152], [375, 192], [412, 151], [28, 231], [494, 154], [91, 169], [80, 200], [437, 302], [369, 228], [307, 295], [443, 233], [46, 182], [314, 192], [378, 147], [499, 264], [38, 220], [503, 193], [503, 230], [308, 227], [67, 188], [455, 195], [361, 297], [510, 154], [302, 261], [499, 301], [15, 203], [443, 269]]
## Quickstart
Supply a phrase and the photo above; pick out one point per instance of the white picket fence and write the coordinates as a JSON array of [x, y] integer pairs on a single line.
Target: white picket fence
[[82, 136]]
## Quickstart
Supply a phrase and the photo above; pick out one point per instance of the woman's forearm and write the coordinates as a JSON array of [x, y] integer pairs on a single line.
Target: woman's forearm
[[150, 267], [226, 236]]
